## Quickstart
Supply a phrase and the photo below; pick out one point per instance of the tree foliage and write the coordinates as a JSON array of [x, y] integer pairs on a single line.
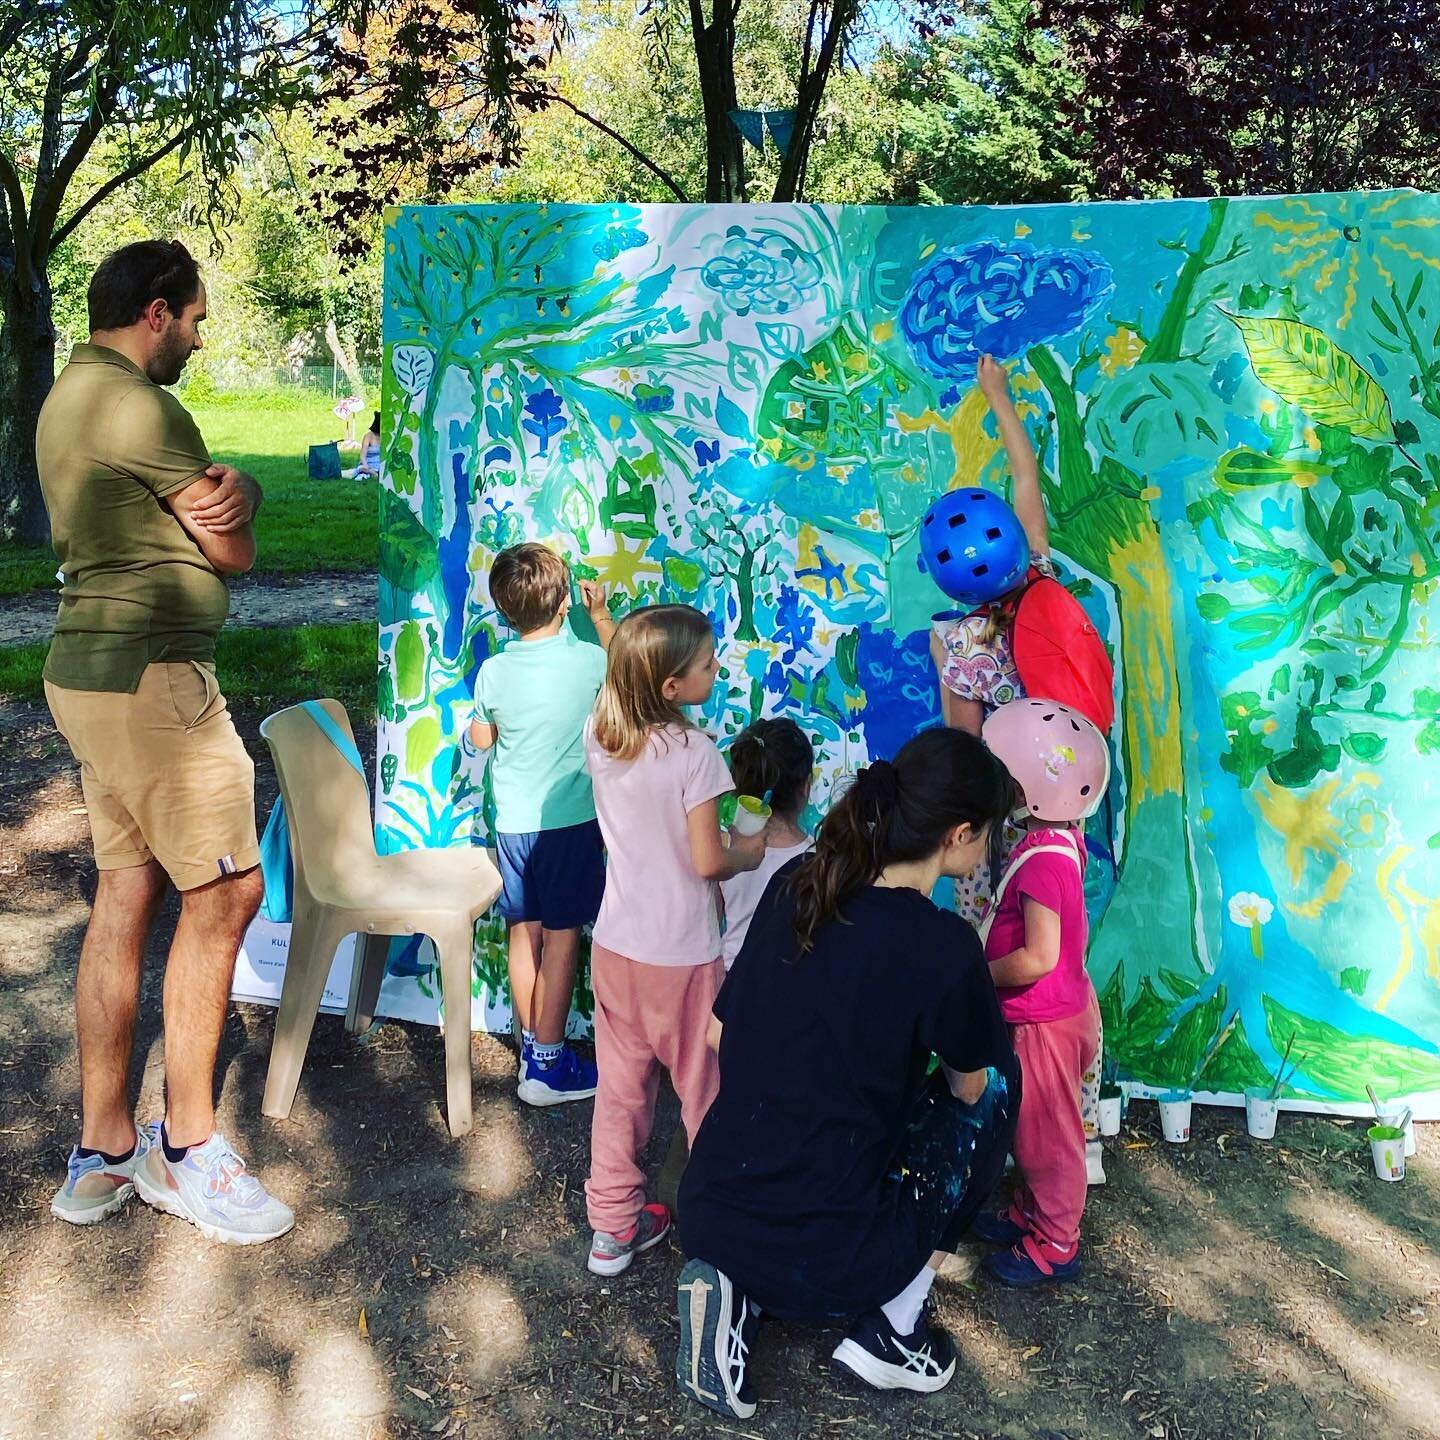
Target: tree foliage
[[1202, 97], [974, 114], [149, 82]]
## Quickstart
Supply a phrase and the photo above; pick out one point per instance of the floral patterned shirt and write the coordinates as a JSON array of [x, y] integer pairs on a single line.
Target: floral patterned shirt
[[980, 668]]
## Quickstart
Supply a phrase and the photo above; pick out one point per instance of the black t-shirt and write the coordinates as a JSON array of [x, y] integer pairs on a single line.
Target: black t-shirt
[[822, 1059]]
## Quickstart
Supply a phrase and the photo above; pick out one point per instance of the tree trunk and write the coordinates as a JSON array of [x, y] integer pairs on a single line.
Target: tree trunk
[[27, 371], [715, 66]]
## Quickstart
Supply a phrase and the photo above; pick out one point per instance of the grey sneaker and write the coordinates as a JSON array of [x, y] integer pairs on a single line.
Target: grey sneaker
[[609, 1254], [1094, 1163], [94, 1188], [212, 1189]]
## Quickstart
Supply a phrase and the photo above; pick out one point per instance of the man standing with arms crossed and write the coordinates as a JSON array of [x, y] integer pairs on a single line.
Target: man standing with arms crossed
[[146, 527]]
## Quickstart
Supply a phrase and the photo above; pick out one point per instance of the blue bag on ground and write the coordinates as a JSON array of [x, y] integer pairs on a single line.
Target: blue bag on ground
[[276, 863]]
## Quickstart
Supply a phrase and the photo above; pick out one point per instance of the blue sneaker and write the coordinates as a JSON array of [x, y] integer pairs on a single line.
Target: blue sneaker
[[1020, 1268], [212, 1189], [569, 1078], [94, 1188], [996, 1228]]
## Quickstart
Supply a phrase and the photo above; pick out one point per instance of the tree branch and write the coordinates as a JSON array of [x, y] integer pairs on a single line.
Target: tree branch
[[19, 223], [47, 209], [551, 97], [113, 184]]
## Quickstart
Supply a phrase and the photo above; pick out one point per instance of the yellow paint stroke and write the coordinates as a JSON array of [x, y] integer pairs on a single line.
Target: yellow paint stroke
[[1147, 648], [1327, 273], [1352, 280], [971, 447], [1308, 822], [1429, 925], [1407, 946], [1335, 884], [1410, 253], [1266, 221]]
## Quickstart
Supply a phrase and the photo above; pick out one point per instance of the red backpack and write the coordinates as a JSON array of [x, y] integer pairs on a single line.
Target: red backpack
[[1059, 652]]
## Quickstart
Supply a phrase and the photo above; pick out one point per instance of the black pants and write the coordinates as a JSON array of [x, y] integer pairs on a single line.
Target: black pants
[[954, 1157]]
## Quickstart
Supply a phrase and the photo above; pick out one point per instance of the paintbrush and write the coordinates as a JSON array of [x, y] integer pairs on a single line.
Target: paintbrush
[[1214, 1049], [1284, 1060], [1375, 1101]]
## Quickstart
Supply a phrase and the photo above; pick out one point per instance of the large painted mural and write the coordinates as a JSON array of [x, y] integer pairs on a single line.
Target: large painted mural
[[1236, 404]]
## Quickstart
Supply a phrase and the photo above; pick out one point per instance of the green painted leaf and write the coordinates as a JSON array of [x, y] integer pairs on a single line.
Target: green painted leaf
[[1247, 469], [422, 742], [1364, 746], [1212, 606], [1302, 366], [410, 661]]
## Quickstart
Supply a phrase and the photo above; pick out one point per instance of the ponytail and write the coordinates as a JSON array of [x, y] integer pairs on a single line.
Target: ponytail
[[896, 814]]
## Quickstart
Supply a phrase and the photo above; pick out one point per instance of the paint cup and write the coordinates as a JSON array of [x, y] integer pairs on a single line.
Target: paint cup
[[1393, 1121], [1261, 1112], [1387, 1151], [1112, 1106], [1175, 1115], [942, 620], [751, 816]]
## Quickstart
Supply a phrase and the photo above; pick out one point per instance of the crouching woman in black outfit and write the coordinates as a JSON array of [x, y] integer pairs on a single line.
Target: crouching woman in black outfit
[[830, 1175]]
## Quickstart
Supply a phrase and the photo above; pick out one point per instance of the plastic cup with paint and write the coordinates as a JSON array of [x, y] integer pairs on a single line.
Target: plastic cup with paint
[[1261, 1112], [751, 815], [1112, 1107], [1409, 1128], [942, 620], [1175, 1115], [1387, 1151]]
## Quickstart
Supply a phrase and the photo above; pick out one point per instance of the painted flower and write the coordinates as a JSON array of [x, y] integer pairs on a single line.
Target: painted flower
[[995, 299], [1248, 909], [1365, 825], [765, 272]]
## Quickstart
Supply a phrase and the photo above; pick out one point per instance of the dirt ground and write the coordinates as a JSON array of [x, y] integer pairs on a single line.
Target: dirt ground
[[435, 1288], [315, 599]]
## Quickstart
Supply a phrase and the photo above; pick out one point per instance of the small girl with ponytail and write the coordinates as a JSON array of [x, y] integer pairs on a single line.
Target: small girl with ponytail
[[655, 965], [769, 758], [831, 1172]]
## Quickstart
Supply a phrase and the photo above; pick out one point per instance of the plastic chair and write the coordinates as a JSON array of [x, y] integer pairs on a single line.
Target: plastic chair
[[343, 887]]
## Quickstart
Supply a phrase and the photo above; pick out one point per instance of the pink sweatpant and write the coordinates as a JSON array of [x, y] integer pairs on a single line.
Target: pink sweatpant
[[646, 1016], [1049, 1145]]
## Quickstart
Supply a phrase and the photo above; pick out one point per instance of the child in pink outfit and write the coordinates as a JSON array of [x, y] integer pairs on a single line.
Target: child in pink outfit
[[1035, 938], [655, 962]]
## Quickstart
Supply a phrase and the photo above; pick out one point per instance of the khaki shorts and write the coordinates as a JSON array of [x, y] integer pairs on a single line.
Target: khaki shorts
[[164, 773]]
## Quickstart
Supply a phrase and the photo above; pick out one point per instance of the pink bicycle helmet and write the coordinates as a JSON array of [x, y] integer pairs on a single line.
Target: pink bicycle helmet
[[1056, 756]]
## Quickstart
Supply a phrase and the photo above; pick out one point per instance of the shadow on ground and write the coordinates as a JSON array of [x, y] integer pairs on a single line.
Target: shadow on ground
[[434, 1287]]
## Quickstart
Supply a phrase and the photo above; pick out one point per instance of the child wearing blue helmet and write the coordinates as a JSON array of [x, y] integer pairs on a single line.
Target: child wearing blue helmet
[[984, 554], [980, 551]]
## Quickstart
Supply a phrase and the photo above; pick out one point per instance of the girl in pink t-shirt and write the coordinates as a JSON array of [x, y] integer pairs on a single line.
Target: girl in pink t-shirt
[[1035, 937], [655, 965]]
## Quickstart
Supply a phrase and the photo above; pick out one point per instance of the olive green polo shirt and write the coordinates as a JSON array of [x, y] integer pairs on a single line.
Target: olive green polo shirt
[[111, 445]]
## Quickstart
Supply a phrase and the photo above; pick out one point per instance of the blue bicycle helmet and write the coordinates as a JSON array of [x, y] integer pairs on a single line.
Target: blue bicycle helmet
[[973, 546]]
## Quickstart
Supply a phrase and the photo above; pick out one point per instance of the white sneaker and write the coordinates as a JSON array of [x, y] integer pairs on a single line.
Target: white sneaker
[[94, 1189], [212, 1189], [1094, 1163]]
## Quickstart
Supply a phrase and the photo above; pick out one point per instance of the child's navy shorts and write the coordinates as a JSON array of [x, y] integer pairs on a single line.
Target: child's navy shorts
[[554, 876]]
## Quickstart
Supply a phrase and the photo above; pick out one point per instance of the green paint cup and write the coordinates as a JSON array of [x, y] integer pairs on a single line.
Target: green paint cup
[[1387, 1151], [751, 815]]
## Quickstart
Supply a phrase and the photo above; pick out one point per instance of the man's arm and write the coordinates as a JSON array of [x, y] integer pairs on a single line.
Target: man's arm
[[232, 505], [232, 550]]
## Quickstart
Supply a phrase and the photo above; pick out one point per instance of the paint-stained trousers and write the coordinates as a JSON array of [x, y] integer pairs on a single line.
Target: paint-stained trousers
[[1049, 1146], [646, 1017]]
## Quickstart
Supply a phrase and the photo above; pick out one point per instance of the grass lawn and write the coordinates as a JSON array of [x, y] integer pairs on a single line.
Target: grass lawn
[[304, 525], [260, 669]]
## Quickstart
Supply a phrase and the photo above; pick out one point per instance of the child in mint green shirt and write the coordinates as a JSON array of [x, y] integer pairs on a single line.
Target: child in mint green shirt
[[531, 703]]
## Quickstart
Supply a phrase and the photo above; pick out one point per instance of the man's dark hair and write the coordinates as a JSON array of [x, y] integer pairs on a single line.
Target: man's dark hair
[[128, 279]]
